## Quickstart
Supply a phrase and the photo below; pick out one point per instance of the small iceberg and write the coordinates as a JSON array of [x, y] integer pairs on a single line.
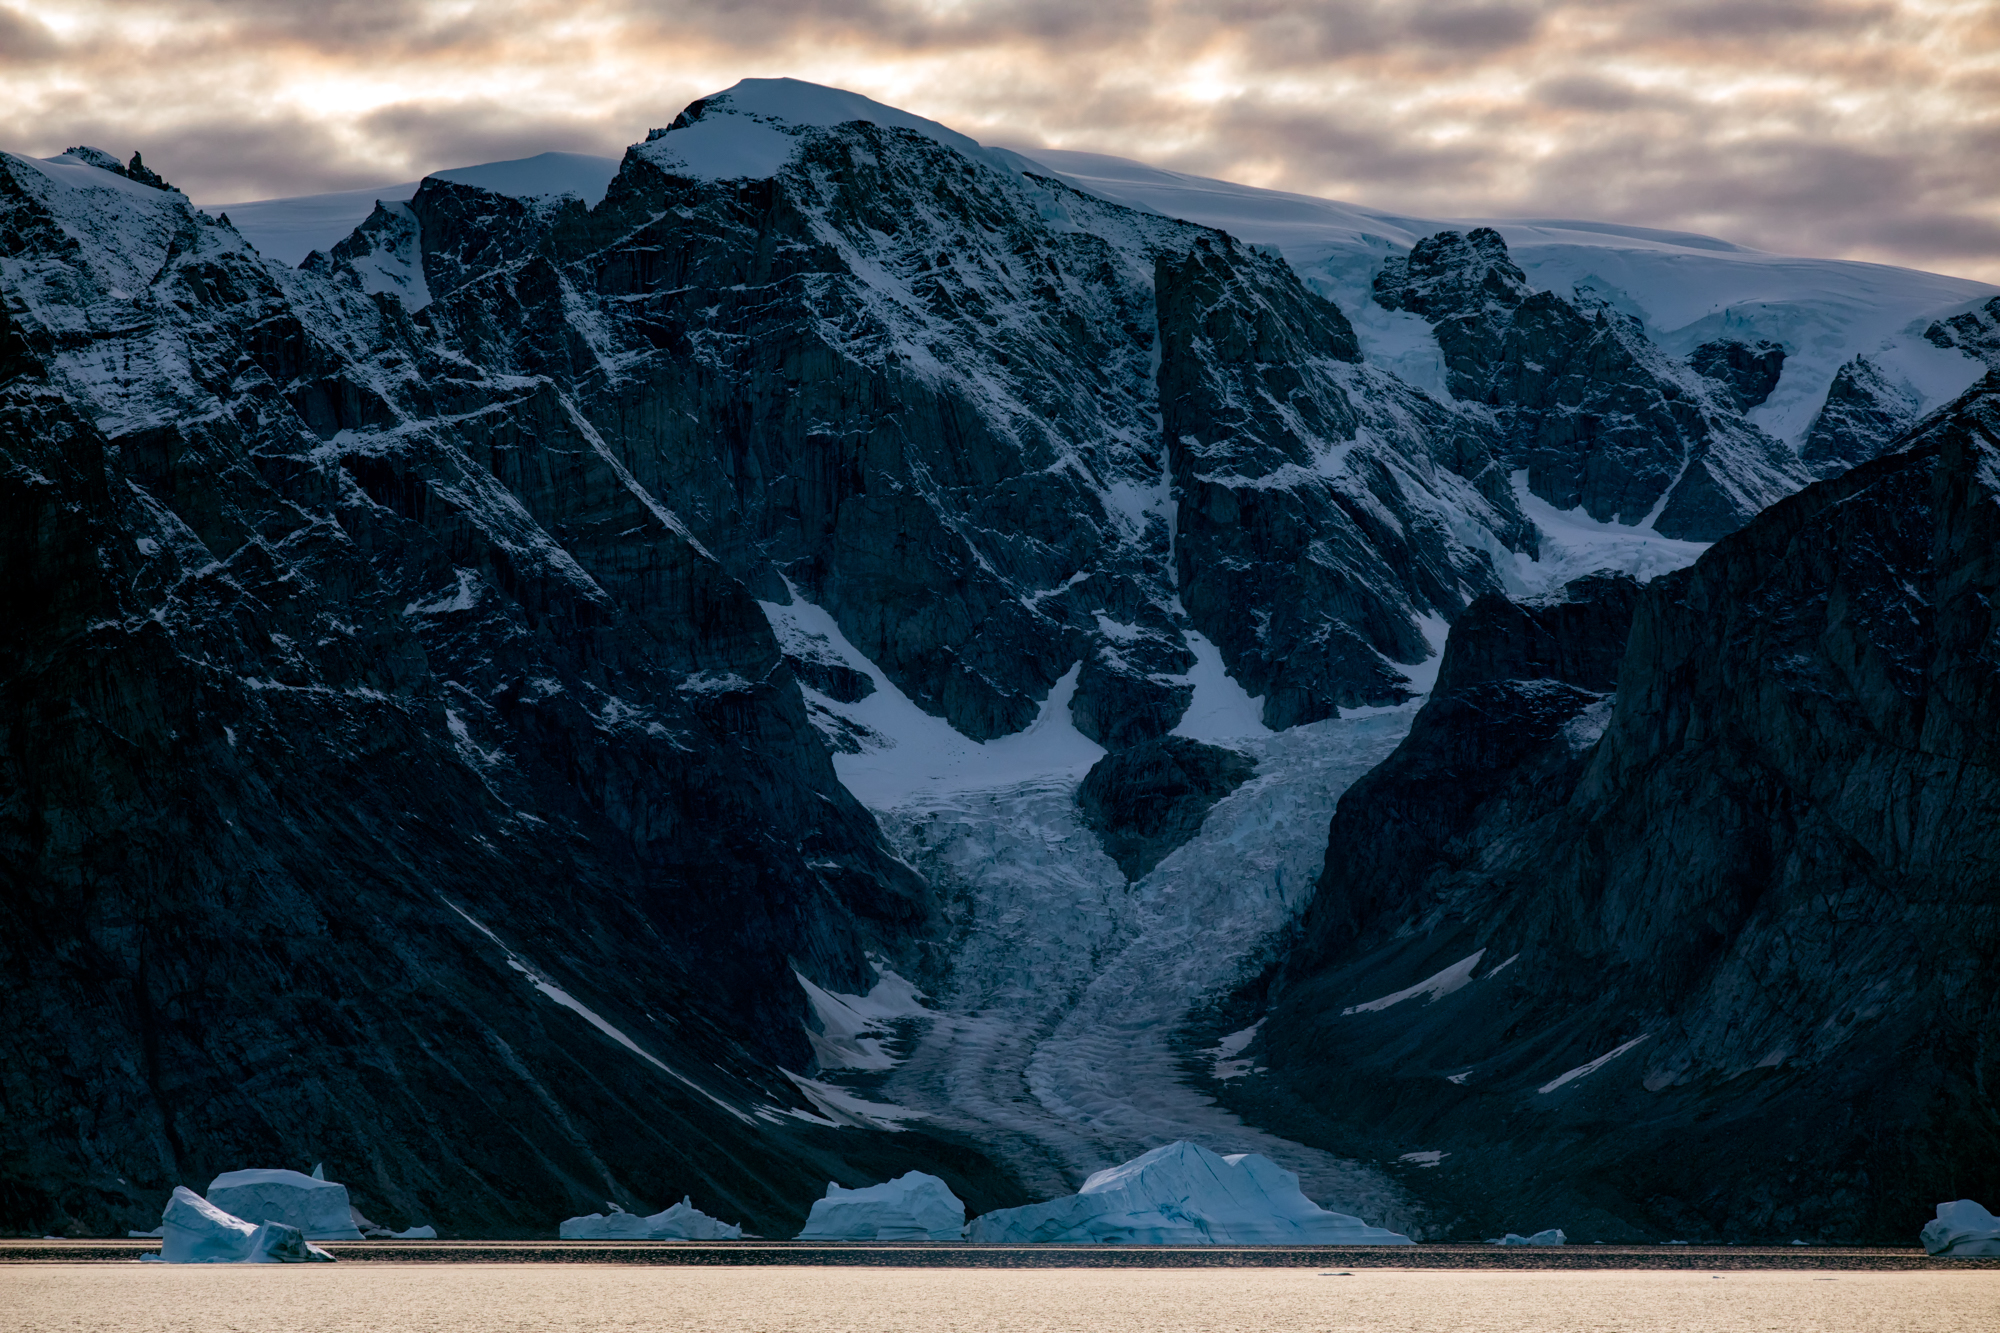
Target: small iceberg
[[1553, 1236], [1183, 1194], [683, 1221], [913, 1206], [1962, 1230], [316, 1206], [195, 1231]]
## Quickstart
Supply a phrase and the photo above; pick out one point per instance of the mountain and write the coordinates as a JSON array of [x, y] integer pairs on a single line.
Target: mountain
[[833, 655], [1694, 883]]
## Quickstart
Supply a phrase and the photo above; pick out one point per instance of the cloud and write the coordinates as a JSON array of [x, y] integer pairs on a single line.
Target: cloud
[[1840, 127], [22, 39]]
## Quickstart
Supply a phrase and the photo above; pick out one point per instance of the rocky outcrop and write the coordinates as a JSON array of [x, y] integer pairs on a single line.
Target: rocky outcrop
[[135, 170], [1521, 691], [1973, 332], [1748, 371], [1597, 414], [1725, 970], [1316, 497], [1863, 412], [1146, 800]]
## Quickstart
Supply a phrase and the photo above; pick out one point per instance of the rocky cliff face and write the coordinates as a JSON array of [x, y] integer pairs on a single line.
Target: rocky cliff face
[[1713, 956], [389, 776], [1583, 400]]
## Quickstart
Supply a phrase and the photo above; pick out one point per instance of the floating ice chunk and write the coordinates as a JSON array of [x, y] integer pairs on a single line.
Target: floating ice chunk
[[1553, 1236], [683, 1221], [1962, 1230], [619, 1225], [415, 1233], [316, 1206], [913, 1206], [195, 1231], [1183, 1194]]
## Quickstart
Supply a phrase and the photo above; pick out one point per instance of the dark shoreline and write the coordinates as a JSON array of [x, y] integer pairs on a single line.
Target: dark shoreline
[[1705, 1258]]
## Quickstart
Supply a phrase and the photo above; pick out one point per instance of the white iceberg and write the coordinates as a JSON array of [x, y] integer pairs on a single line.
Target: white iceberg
[[1962, 1230], [1183, 1194], [415, 1233], [195, 1231], [913, 1206], [1553, 1236], [317, 1207], [683, 1221]]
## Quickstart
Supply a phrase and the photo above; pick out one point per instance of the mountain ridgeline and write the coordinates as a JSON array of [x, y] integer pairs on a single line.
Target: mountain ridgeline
[[401, 766]]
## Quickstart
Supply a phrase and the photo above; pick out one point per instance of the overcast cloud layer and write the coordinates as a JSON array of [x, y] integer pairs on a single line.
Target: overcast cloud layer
[[1821, 127]]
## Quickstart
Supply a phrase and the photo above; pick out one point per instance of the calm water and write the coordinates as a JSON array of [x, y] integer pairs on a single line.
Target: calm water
[[408, 1298]]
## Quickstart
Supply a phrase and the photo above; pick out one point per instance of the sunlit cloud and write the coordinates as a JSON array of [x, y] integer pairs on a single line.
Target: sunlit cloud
[[1832, 127]]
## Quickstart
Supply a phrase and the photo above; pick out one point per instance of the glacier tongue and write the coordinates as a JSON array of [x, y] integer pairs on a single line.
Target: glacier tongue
[[1053, 1038]]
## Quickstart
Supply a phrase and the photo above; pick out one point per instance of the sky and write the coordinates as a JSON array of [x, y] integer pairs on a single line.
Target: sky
[[1838, 128]]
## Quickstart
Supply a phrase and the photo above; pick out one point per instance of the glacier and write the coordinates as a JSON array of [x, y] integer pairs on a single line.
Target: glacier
[[914, 1206], [1183, 1194]]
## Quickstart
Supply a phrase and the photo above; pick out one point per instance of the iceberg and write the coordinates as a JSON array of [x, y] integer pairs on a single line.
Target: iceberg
[[317, 1207], [195, 1231], [913, 1206], [1553, 1236], [1962, 1230], [1183, 1194], [683, 1221]]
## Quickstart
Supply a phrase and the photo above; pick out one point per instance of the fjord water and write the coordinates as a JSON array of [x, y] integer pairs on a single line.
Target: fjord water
[[530, 1298]]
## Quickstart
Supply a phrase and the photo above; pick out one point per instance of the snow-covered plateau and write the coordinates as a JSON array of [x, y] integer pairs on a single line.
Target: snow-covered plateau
[[820, 650]]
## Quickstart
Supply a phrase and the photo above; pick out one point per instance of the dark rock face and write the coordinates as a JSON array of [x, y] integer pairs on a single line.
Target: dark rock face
[[1974, 332], [1863, 412], [1515, 678], [1149, 799], [1728, 969], [1306, 554], [364, 717], [1597, 414], [1748, 371]]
